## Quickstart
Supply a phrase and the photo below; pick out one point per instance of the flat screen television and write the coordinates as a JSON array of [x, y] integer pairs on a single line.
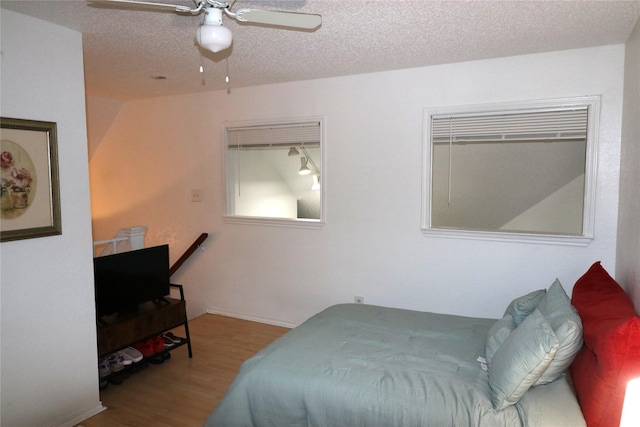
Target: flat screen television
[[125, 280]]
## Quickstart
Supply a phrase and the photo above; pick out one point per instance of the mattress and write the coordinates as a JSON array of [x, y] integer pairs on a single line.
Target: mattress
[[363, 365]]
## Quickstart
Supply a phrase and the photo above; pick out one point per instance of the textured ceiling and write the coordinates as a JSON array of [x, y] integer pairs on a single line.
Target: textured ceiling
[[124, 49]]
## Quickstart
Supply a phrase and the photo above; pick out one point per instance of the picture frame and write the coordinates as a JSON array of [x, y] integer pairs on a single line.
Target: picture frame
[[29, 181]]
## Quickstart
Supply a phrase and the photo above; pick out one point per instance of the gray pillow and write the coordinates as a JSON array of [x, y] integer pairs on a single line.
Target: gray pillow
[[522, 306], [497, 335], [556, 307], [521, 359]]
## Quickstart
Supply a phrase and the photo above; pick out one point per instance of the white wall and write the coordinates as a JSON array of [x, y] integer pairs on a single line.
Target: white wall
[[372, 244], [103, 111], [628, 254], [48, 349]]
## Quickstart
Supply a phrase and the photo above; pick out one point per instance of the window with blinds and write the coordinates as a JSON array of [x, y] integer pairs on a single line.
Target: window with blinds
[[553, 125], [521, 171], [274, 172], [274, 136]]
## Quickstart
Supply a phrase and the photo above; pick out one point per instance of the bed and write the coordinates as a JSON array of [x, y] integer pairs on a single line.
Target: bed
[[362, 365]]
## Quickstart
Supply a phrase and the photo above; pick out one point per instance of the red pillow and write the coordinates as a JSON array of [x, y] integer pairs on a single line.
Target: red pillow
[[610, 355]]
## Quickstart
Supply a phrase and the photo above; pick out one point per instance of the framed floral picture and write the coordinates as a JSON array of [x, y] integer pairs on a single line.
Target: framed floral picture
[[30, 191]]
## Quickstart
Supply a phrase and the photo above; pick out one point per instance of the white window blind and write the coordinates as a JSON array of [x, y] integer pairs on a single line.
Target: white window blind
[[522, 171], [295, 134], [552, 125]]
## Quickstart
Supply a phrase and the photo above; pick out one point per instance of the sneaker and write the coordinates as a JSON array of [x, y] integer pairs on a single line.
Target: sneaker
[[167, 343], [158, 344], [146, 348], [131, 355], [157, 359], [119, 377], [115, 362], [124, 360], [103, 368], [171, 337]]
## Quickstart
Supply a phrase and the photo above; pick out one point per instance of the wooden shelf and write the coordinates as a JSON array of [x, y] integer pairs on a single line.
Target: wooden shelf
[[150, 319]]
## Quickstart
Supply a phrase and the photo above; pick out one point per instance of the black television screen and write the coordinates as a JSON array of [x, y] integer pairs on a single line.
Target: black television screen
[[125, 280]]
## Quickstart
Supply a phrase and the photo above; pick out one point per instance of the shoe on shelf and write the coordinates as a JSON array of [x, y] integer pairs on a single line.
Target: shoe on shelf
[[157, 358], [167, 343], [124, 360], [158, 344], [147, 348], [171, 337], [119, 377], [103, 368], [115, 362], [130, 355]]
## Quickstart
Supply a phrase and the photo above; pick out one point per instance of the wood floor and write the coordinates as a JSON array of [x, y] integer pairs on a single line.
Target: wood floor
[[182, 392]]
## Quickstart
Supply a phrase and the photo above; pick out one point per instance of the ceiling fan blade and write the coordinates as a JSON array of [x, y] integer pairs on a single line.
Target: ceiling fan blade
[[306, 21], [172, 7]]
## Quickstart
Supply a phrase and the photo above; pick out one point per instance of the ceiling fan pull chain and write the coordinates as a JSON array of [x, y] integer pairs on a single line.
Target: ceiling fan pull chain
[[204, 81]]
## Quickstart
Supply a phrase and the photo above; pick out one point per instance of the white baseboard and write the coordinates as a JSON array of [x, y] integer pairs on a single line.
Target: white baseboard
[[84, 416], [258, 319]]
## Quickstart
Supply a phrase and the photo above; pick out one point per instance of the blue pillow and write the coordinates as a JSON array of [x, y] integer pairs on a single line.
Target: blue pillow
[[522, 306], [556, 307], [521, 360], [497, 335]]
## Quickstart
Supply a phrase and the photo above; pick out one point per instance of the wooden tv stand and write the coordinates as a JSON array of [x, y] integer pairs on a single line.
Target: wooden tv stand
[[149, 320]]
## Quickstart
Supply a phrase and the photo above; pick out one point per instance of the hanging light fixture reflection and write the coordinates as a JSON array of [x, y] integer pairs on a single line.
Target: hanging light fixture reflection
[[293, 152], [316, 183], [304, 169]]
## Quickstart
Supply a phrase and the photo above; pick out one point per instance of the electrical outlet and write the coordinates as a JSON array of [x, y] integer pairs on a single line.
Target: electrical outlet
[[358, 299], [196, 195]]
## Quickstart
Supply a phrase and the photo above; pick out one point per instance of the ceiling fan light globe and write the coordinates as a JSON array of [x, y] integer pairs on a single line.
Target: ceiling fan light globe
[[214, 38]]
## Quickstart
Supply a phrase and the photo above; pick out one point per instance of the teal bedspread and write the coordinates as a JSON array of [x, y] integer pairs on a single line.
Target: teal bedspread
[[362, 365]]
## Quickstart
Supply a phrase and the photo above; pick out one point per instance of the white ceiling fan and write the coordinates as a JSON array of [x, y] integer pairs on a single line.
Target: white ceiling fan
[[211, 34]]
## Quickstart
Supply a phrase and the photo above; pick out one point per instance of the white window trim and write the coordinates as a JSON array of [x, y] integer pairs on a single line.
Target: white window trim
[[592, 103], [277, 222]]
